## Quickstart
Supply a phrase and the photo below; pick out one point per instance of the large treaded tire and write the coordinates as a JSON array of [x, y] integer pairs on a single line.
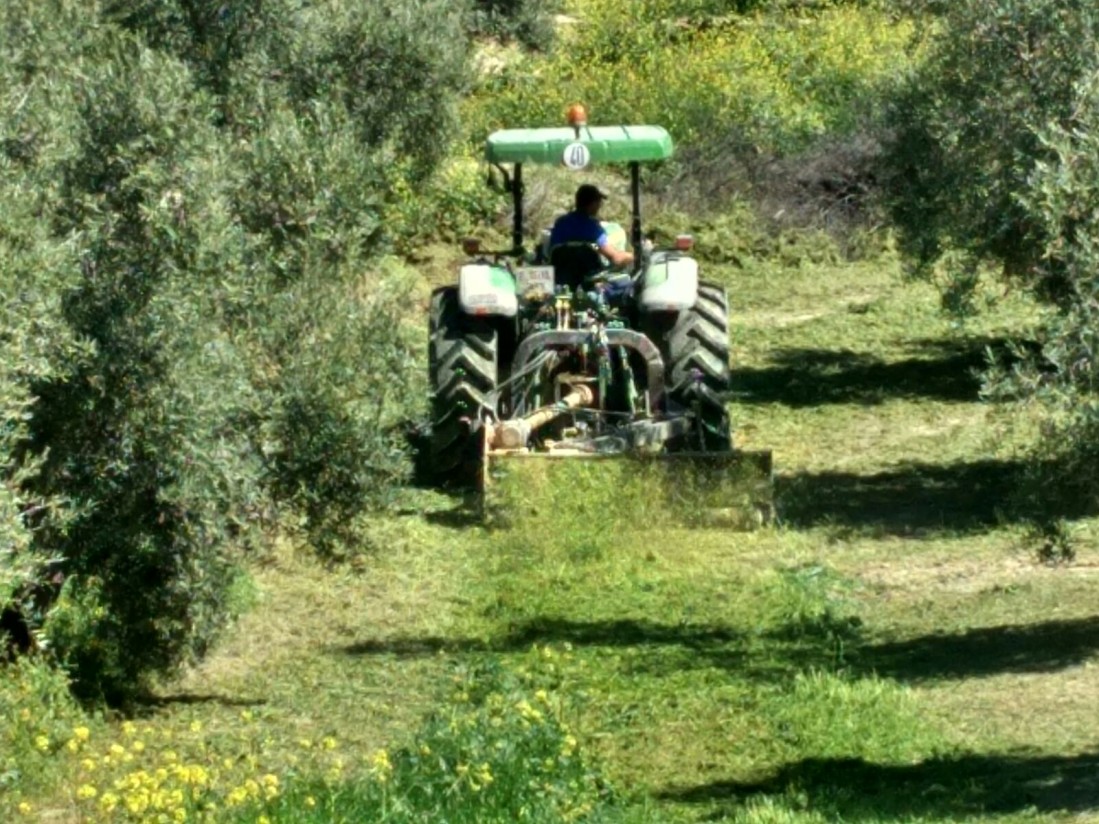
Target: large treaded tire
[[696, 364], [462, 366]]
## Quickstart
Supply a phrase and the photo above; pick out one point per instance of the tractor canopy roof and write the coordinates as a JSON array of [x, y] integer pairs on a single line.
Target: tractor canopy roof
[[604, 144]]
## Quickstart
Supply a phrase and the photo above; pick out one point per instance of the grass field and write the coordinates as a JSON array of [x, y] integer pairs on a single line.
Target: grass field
[[890, 650]]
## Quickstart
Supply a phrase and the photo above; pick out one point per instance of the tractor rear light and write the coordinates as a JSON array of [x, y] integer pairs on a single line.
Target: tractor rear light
[[684, 243], [471, 245]]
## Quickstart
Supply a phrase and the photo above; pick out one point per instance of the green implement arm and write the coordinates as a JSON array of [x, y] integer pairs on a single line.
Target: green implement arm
[[606, 144]]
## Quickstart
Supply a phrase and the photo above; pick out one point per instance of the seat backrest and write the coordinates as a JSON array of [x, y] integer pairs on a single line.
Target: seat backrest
[[574, 263]]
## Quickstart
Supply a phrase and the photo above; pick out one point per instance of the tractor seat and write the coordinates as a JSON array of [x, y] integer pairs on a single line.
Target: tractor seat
[[574, 263]]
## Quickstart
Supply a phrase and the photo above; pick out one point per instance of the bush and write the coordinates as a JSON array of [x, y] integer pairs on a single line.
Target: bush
[[993, 170], [497, 749], [967, 132], [529, 22], [37, 719], [773, 83], [192, 195], [336, 445], [142, 433]]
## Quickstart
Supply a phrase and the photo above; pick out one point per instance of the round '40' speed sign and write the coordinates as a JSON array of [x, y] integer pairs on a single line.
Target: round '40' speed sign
[[577, 156]]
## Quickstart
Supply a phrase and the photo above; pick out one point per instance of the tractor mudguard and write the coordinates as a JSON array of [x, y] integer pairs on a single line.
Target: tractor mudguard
[[670, 283], [484, 289]]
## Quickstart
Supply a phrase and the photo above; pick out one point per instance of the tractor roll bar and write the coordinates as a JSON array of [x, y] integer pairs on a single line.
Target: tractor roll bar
[[635, 227], [517, 218]]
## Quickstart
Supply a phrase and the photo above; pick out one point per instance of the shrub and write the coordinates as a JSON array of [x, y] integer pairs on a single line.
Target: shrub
[[992, 169], [142, 433], [191, 192], [497, 749], [37, 719], [967, 132], [775, 83], [336, 446], [529, 22]]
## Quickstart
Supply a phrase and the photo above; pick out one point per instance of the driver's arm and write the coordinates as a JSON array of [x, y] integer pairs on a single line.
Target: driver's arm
[[617, 257]]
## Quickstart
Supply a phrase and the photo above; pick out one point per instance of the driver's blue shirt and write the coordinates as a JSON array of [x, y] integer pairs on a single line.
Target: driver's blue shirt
[[577, 227]]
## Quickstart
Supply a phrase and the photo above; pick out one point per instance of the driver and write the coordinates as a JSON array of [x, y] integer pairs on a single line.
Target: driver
[[582, 226]]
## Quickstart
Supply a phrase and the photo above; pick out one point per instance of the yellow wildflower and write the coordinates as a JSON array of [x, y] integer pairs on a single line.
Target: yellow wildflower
[[86, 791], [117, 750], [24, 808], [270, 786], [129, 728], [138, 746], [81, 733], [484, 774], [137, 802], [330, 743], [108, 802], [196, 726], [237, 796], [73, 745], [42, 742], [88, 764], [310, 802], [380, 766], [263, 820], [246, 715]]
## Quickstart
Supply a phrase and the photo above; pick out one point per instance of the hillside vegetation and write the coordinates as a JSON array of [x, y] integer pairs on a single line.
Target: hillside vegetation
[[222, 597]]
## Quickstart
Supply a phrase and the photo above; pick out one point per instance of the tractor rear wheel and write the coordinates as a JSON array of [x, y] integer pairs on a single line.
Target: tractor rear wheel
[[462, 366], [696, 368]]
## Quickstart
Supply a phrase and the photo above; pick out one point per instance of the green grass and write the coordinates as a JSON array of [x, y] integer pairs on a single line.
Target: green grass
[[888, 651]]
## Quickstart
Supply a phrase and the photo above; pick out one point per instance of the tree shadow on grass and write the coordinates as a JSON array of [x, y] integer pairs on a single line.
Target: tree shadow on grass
[[146, 704], [801, 377], [913, 498], [777, 652], [922, 498], [963, 785], [618, 633], [1043, 647]]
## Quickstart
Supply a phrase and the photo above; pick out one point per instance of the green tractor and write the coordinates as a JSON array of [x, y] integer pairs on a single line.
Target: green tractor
[[549, 353]]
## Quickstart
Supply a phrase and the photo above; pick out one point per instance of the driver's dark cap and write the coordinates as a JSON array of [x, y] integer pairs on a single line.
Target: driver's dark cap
[[587, 194]]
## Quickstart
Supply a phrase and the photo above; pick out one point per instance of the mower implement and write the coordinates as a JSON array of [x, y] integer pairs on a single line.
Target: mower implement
[[551, 373]]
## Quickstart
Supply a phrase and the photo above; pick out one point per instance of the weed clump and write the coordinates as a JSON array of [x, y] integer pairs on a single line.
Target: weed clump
[[497, 750]]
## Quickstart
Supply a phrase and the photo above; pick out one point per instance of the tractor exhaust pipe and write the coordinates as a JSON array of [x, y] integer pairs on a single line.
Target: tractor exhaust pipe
[[515, 434]]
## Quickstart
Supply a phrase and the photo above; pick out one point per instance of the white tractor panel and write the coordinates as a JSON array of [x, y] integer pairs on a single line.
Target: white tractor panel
[[487, 290], [670, 283]]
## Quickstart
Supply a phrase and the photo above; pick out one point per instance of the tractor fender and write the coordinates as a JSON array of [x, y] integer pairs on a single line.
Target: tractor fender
[[484, 289], [670, 283]]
